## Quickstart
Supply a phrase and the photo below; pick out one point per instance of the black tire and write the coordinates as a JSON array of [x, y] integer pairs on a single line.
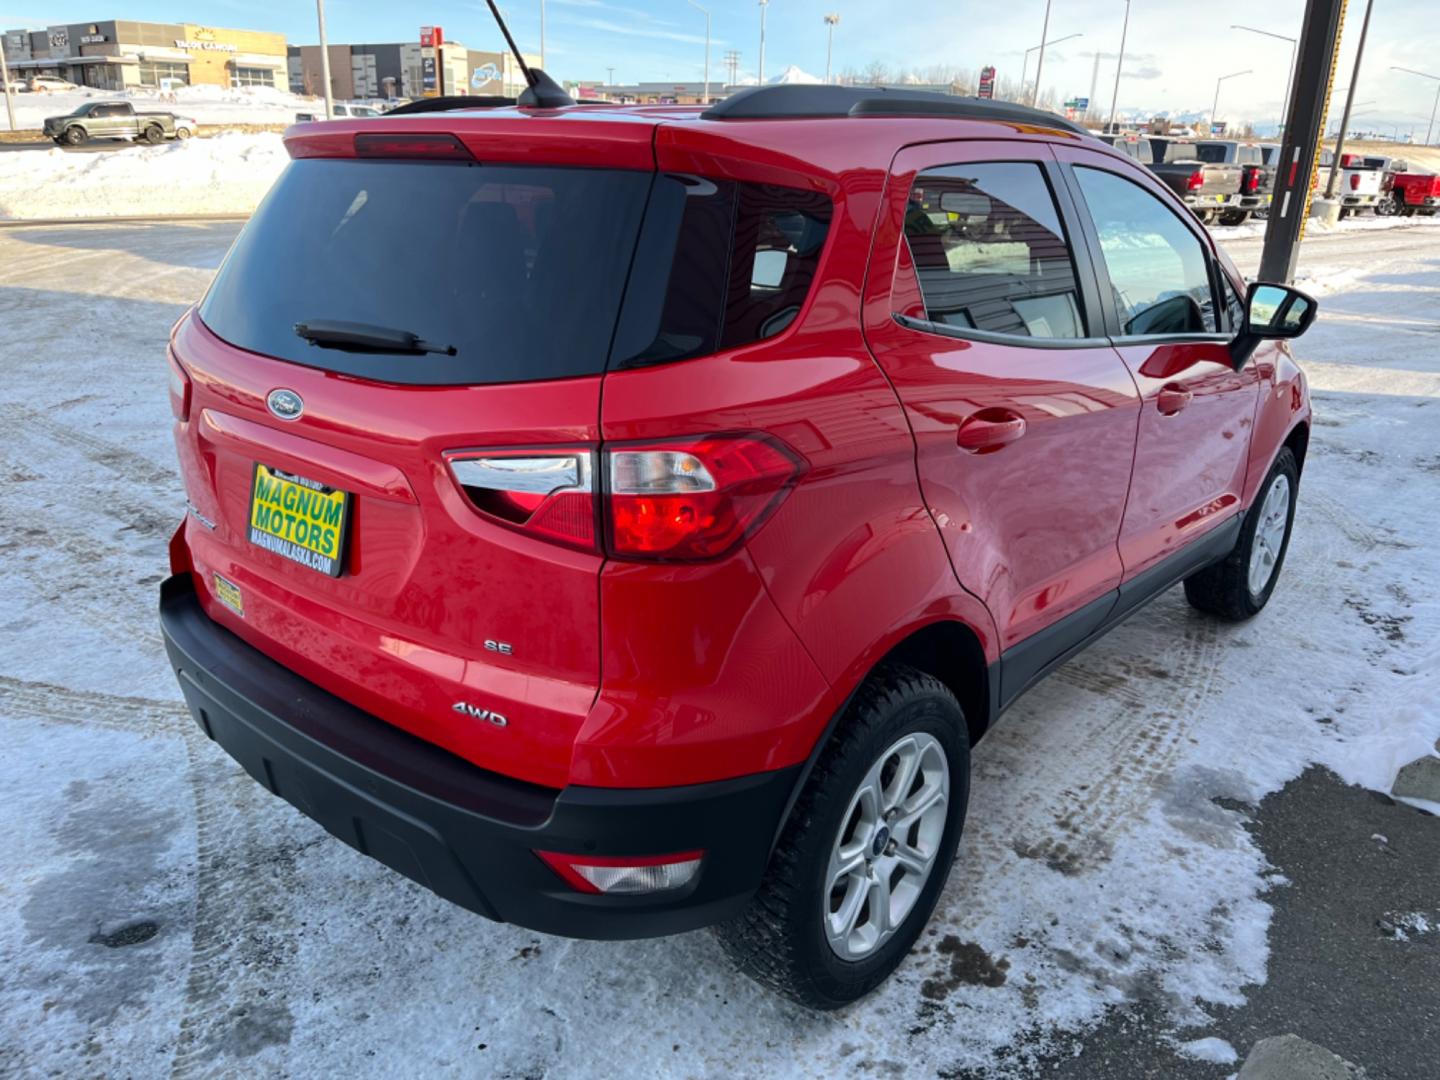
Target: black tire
[[75, 135], [1234, 217], [1206, 216], [780, 940], [1223, 590], [153, 134]]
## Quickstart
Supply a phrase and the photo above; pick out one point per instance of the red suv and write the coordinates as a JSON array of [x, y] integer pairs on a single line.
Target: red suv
[[622, 520]]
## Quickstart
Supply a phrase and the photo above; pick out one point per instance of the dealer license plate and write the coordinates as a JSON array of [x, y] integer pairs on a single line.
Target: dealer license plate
[[299, 519]]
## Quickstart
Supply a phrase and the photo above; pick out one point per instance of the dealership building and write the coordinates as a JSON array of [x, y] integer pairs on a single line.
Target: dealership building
[[117, 54], [397, 71]]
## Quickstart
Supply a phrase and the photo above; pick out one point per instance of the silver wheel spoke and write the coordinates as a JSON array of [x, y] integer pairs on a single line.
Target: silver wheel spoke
[[850, 908], [880, 903], [1269, 537], [923, 800], [904, 777], [912, 860]]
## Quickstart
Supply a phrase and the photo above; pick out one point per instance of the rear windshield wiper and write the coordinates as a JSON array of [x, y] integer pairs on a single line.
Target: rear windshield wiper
[[363, 337]]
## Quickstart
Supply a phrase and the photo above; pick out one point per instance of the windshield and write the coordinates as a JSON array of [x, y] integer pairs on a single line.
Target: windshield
[[519, 270]]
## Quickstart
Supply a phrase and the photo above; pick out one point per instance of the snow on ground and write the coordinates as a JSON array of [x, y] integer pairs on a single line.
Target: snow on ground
[[205, 104], [227, 174], [1097, 867]]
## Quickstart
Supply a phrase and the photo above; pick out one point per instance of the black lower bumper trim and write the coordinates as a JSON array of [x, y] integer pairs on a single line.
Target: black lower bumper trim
[[467, 834]]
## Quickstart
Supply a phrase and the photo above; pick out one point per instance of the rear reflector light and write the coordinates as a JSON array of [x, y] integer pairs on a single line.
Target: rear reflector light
[[694, 499], [548, 493], [414, 147], [1195, 181], [179, 388], [624, 875]]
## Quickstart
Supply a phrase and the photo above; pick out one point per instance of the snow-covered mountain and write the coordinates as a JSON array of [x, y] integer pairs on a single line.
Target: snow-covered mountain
[[793, 75]]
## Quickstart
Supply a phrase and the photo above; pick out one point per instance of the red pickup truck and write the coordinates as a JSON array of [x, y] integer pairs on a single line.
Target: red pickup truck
[[1416, 193]]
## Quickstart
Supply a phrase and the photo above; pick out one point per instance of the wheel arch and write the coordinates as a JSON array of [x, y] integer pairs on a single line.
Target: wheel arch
[[1298, 441]]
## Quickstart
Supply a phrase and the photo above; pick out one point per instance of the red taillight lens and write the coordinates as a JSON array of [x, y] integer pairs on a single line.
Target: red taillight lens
[[1252, 181], [626, 874], [414, 147], [1196, 180], [538, 491], [1346, 160], [1354, 180], [179, 388], [694, 499]]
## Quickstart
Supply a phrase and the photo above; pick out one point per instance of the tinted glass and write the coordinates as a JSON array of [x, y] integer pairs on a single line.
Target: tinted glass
[[722, 264], [990, 252], [1158, 268], [1215, 153], [520, 269]]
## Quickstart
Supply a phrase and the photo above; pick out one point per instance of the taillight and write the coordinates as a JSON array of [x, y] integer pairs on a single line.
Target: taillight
[[415, 147], [1354, 180], [1252, 181], [538, 491], [1196, 180], [694, 499], [624, 875], [1346, 160], [179, 388]]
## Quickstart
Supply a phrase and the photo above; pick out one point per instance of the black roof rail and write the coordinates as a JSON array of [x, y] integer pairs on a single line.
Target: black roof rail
[[453, 101], [802, 101]]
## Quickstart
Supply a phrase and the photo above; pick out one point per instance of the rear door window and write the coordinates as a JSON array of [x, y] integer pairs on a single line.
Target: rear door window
[[519, 270], [990, 252]]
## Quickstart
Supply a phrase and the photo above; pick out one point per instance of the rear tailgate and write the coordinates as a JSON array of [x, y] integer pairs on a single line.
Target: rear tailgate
[[428, 606]]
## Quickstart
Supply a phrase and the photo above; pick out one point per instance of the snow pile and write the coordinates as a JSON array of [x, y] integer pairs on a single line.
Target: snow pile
[[1212, 1049], [228, 174], [205, 104]]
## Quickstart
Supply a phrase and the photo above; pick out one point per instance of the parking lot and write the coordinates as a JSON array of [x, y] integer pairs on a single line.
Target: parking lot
[[1134, 870]]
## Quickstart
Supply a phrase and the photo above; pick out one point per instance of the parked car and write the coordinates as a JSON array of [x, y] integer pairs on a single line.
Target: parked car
[[1416, 193], [617, 610], [342, 110], [1135, 147], [1209, 189], [17, 86], [116, 120], [44, 84], [1257, 181], [1359, 187]]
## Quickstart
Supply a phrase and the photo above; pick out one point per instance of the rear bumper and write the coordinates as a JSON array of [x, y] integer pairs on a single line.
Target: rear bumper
[[467, 834]]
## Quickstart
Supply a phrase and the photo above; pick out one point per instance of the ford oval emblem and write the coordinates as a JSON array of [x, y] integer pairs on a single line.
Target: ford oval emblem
[[285, 404]]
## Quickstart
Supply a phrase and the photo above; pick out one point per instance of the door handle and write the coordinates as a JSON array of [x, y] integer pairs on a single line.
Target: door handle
[[1172, 398], [989, 430]]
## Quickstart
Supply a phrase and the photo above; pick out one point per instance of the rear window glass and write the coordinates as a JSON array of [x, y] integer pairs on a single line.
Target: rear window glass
[[1214, 153], [519, 270]]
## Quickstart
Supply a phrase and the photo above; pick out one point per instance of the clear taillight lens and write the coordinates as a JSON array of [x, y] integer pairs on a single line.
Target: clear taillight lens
[[694, 499], [548, 493], [179, 388], [625, 875]]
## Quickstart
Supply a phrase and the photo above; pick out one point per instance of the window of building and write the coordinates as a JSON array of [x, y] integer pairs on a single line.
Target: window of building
[[990, 252], [1159, 272], [152, 71], [252, 76]]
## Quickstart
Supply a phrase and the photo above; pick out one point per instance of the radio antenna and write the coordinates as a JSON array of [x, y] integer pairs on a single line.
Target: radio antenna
[[542, 92]]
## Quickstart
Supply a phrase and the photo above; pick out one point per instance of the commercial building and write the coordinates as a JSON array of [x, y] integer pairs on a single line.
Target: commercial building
[[398, 71], [118, 53]]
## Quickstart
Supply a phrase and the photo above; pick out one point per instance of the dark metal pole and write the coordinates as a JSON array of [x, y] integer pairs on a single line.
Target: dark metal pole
[[1305, 114], [1349, 104], [1040, 63]]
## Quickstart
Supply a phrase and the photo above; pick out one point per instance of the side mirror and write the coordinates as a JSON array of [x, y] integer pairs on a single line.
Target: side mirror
[[1271, 312]]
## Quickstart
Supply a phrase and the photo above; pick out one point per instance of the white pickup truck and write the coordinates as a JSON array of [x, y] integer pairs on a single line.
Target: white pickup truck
[[1358, 187]]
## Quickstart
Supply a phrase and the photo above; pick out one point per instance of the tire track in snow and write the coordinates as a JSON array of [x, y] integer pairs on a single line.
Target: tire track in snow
[[48, 703]]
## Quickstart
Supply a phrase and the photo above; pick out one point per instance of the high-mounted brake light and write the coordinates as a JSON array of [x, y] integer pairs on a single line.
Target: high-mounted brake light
[[626, 874], [437, 147], [538, 491], [696, 498], [179, 388]]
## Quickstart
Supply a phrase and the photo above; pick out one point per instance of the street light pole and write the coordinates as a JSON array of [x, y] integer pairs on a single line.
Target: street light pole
[[1115, 97], [542, 35], [5, 77], [831, 21], [706, 13], [1040, 63], [1026, 66], [325, 60], [1216, 106], [760, 75], [1349, 103], [1425, 75], [1289, 79]]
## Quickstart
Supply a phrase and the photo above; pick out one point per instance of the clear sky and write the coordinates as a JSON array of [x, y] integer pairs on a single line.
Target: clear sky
[[1176, 49]]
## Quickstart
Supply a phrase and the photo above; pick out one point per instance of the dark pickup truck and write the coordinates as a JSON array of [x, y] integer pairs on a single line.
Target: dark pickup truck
[[1209, 189], [1257, 183], [116, 120]]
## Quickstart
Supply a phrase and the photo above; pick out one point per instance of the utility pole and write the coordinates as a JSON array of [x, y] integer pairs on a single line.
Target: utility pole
[[1436, 108], [5, 77], [1120, 63], [325, 61], [1216, 107], [1040, 63], [1289, 79], [542, 35], [1094, 81], [732, 64], [760, 75], [706, 13], [1349, 103], [831, 21]]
